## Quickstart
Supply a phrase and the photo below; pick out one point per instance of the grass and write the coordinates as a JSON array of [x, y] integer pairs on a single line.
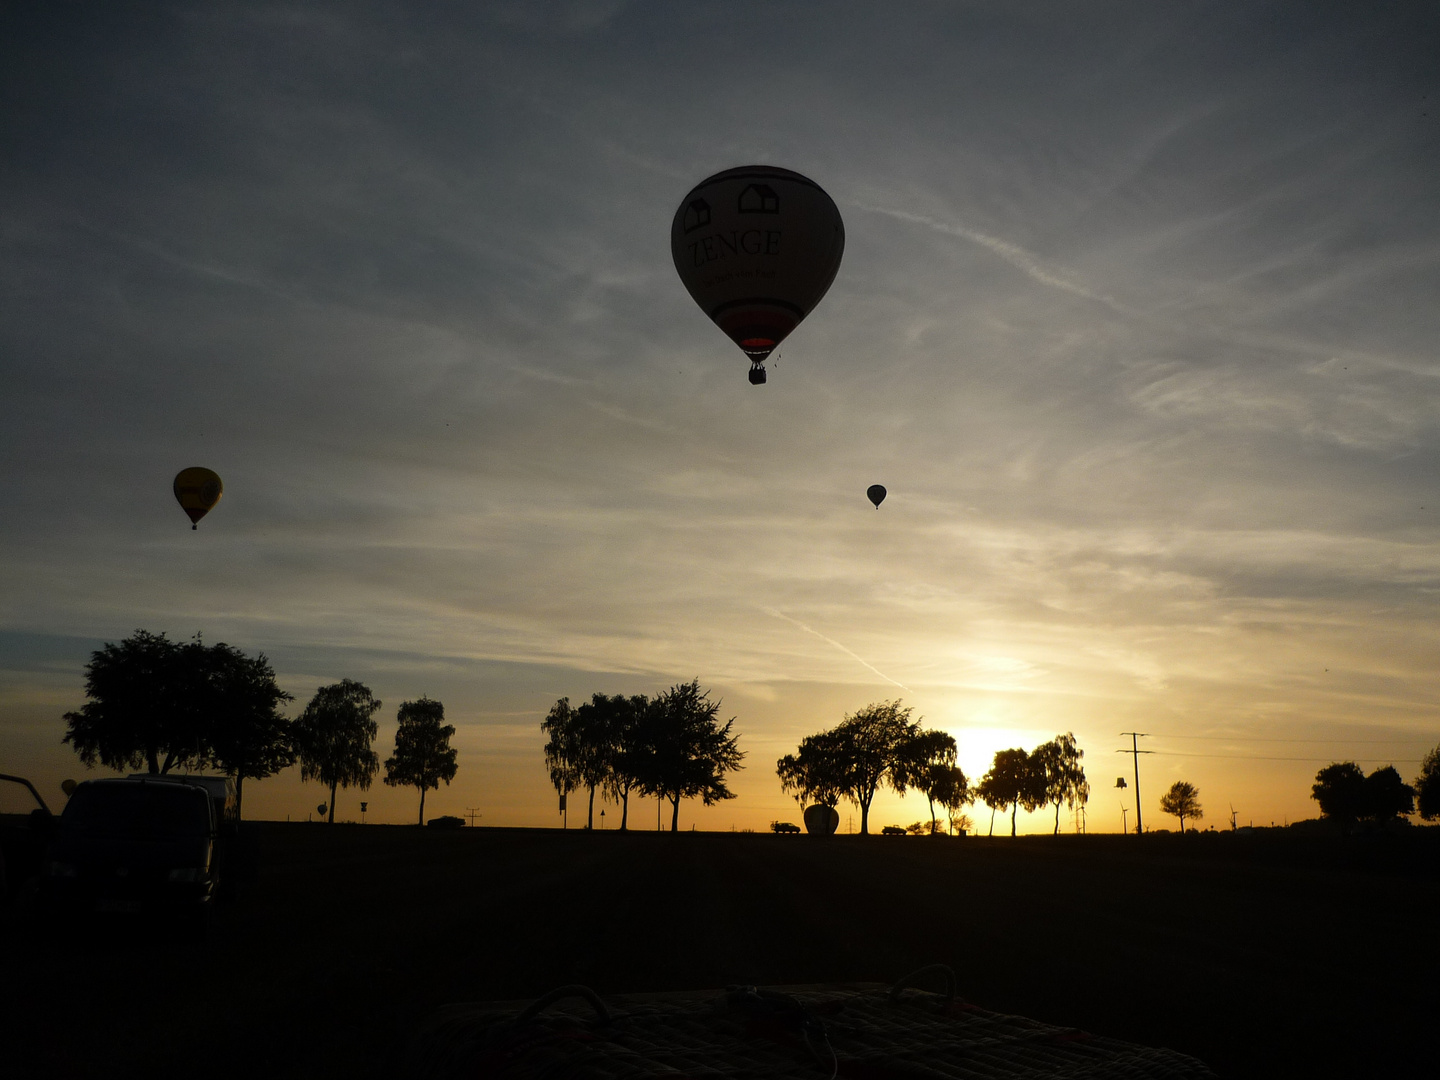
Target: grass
[[1264, 955]]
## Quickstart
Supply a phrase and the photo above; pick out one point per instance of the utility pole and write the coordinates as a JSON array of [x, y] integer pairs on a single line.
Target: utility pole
[[472, 812], [1135, 750]]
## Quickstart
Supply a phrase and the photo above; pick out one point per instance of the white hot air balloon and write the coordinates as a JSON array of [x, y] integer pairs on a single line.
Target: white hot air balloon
[[757, 247]]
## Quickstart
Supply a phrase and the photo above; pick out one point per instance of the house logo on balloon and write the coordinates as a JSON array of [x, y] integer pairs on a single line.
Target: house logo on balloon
[[759, 199]]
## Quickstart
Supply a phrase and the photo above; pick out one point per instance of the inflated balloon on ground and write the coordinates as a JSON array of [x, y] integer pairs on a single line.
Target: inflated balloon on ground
[[757, 247], [197, 491]]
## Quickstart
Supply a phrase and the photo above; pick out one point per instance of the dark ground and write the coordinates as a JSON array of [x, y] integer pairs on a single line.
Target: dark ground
[[1266, 955]]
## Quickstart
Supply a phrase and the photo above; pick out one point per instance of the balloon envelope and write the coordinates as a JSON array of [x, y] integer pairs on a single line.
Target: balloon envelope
[[876, 494], [197, 491], [821, 820], [757, 247]]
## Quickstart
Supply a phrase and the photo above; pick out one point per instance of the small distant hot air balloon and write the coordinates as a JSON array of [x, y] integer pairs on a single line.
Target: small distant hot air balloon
[[876, 492], [197, 491], [757, 247]]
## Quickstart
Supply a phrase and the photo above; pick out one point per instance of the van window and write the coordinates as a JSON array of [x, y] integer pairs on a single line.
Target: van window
[[144, 809]]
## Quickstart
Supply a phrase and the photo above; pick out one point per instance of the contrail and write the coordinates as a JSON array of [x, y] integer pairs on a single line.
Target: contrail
[[842, 648], [1013, 254]]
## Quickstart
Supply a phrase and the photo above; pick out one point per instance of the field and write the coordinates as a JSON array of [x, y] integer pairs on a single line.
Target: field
[[1265, 955]]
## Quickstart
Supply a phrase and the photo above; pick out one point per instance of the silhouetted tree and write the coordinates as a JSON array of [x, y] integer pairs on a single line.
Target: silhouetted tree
[[684, 750], [1387, 796], [1427, 786], [598, 726], [333, 736], [423, 754], [870, 741], [1058, 770], [625, 732], [158, 704], [1082, 799], [146, 706], [248, 736], [1012, 782], [921, 761], [1339, 788], [988, 791], [1182, 801], [874, 746], [961, 823], [947, 785], [816, 773], [562, 748], [596, 746]]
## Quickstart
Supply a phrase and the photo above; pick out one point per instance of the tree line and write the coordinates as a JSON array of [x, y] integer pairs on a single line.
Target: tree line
[[882, 746], [1347, 796], [874, 747], [1049, 775], [157, 705], [672, 747], [154, 704]]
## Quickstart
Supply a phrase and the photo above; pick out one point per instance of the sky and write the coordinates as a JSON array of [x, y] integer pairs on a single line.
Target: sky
[[1136, 322]]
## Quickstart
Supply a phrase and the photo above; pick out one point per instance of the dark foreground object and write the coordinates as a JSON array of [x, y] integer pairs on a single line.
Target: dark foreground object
[[1263, 955], [782, 1033]]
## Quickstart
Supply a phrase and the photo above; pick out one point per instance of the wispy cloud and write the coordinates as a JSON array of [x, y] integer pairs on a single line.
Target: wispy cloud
[[831, 641], [1046, 274]]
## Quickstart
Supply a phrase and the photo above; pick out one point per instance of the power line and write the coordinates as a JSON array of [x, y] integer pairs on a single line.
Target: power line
[[1261, 757], [1276, 738]]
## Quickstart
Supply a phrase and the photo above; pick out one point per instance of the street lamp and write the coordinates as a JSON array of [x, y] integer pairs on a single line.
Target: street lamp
[[602, 820]]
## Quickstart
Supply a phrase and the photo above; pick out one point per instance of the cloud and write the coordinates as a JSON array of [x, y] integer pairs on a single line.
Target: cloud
[[842, 648], [1052, 276]]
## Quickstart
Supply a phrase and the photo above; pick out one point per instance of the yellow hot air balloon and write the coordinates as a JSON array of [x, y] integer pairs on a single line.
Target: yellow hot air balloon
[[757, 247], [197, 491]]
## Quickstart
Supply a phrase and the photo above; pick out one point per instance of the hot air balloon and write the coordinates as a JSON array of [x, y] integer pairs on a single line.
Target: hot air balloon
[[757, 247], [876, 493], [197, 491]]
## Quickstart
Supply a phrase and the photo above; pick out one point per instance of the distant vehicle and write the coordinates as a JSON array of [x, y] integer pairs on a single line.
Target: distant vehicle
[[22, 842], [146, 845], [892, 830], [783, 827]]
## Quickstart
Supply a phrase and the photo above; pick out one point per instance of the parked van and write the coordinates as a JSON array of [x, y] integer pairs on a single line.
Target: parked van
[[136, 845]]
